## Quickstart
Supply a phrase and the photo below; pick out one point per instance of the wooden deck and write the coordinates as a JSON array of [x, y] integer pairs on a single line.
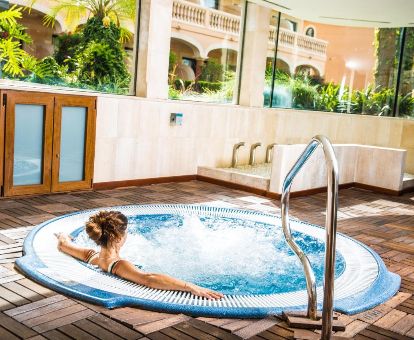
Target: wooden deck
[[31, 311]]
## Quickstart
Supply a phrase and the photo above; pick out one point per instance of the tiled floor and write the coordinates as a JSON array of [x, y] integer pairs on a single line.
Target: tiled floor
[[28, 310]]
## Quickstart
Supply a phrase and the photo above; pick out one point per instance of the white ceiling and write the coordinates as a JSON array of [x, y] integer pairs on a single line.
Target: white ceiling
[[368, 13]]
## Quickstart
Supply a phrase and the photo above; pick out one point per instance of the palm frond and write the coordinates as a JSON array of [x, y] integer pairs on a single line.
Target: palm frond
[[12, 54], [125, 9], [10, 16], [73, 11], [126, 35]]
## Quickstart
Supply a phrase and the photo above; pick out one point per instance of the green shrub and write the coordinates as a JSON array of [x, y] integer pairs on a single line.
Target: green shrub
[[198, 86], [328, 98], [173, 93], [66, 49], [304, 94], [49, 72], [172, 61], [212, 71], [406, 105], [100, 57], [98, 65]]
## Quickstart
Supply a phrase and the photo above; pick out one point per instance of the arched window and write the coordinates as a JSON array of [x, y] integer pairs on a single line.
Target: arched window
[[310, 31]]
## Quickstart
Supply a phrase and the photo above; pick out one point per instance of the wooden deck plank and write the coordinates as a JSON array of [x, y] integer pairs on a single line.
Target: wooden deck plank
[[386, 332], [5, 334], [23, 291], [372, 315], [281, 329], [115, 327], [373, 335], [36, 287], [15, 327], [175, 334], [396, 300], [404, 325], [361, 337], [12, 297], [273, 336], [97, 331], [187, 328], [54, 314], [35, 305], [44, 312], [235, 326], [212, 330], [410, 333], [44, 327], [161, 324], [36, 337], [256, 327], [136, 317], [5, 305], [76, 333], [390, 319], [158, 336], [56, 335]]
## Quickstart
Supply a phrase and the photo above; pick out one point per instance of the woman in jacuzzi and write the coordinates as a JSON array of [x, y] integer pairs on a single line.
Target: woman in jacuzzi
[[108, 230]]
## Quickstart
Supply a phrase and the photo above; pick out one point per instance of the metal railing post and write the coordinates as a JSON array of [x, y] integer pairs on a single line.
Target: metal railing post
[[331, 221]]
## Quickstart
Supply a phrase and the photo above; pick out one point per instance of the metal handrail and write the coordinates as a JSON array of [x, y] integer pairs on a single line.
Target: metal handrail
[[331, 221]]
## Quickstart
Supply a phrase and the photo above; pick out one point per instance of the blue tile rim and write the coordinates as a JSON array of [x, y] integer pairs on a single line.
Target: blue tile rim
[[385, 285]]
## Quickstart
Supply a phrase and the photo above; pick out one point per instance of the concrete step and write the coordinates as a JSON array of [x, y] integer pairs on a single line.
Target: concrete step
[[408, 181]]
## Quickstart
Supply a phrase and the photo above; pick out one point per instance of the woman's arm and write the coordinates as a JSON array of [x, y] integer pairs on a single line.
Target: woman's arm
[[66, 246], [127, 270]]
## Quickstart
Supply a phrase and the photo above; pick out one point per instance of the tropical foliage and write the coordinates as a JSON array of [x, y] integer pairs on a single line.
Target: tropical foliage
[[100, 56], [14, 61], [74, 12], [93, 58], [214, 83], [329, 97]]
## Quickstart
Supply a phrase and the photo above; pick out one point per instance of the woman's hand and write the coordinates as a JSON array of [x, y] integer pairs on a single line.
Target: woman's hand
[[204, 292], [63, 239]]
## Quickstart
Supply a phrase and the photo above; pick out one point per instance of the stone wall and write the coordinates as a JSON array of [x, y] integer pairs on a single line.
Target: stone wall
[[135, 140]]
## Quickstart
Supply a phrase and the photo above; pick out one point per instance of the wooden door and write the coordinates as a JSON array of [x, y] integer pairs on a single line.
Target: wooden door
[[28, 142], [2, 129], [73, 143]]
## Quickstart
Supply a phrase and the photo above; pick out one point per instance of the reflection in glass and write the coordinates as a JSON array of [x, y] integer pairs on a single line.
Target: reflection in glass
[[28, 144], [203, 50], [341, 69], [406, 90], [72, 144], [67, 38]]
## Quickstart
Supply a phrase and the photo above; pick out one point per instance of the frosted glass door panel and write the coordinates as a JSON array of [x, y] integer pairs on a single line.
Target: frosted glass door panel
[[72, 144], [28, 144]]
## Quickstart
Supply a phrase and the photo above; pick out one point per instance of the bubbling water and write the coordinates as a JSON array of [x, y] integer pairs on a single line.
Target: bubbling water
[[234, 256]]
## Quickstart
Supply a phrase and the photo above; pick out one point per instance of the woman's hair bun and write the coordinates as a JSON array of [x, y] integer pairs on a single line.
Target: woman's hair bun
[[106, 226], [94, 231]]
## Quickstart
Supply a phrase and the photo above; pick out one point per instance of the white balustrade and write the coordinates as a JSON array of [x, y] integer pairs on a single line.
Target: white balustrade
[[225, 22], [291, 39], [190, 13]]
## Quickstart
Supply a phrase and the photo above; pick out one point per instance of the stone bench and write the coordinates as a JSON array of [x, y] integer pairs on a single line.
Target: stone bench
[[370, 166]]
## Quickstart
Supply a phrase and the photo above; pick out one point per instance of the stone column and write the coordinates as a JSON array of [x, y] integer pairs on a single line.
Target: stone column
[[154, 49], [253, 58]]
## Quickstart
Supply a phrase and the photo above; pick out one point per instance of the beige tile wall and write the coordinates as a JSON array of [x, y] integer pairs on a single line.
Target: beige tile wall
[[135, 140]]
